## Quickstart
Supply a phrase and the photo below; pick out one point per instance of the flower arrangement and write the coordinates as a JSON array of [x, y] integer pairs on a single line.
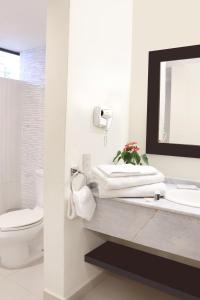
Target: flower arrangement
[[130, 155]]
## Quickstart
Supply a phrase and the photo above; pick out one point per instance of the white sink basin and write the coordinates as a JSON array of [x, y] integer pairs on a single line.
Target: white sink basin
[[184, 197]]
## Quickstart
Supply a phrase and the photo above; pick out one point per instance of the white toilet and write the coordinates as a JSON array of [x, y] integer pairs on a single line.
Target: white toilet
[[21, 232]]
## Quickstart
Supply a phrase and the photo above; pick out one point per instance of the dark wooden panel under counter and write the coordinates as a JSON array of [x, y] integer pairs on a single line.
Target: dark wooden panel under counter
[[173, 277]]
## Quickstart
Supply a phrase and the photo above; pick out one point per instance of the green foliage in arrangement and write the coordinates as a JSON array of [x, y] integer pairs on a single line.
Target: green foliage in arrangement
[[130, 155]]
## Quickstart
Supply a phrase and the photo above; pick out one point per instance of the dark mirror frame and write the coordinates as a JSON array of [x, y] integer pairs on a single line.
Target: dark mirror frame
[[152, 144]]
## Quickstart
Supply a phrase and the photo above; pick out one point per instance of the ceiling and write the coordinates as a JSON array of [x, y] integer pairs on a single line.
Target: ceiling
[[22, 24]]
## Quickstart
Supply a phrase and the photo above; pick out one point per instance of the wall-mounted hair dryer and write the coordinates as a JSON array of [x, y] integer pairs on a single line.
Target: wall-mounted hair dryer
[[102, 118]]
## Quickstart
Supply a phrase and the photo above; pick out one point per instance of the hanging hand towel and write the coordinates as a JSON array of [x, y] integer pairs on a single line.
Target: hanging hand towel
[[84, 203], [71, 211], [81, 204]]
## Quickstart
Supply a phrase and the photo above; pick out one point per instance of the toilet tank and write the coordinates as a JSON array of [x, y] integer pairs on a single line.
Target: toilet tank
[[39, 182]]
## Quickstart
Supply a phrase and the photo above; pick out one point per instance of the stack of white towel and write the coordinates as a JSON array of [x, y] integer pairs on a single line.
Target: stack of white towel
[[128, 181]]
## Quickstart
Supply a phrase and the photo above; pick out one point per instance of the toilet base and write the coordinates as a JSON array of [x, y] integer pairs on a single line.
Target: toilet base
[[21, 247], [14, 257], [19, 256]]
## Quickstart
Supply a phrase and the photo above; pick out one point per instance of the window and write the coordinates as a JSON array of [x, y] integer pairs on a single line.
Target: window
[[9, 64]]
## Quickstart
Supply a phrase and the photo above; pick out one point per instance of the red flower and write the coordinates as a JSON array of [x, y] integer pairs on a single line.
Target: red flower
[[132, 146], [135, 149]]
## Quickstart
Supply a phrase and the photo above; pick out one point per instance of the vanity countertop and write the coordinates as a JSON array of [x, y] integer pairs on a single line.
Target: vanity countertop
[[166, 227], [164, 204]]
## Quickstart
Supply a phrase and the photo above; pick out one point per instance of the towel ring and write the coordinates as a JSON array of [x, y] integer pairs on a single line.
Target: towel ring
[[74, 174]]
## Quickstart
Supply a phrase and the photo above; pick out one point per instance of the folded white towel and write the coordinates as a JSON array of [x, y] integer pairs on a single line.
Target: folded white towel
[[134, 192], [126, 170], [110, 183], [81, 204]]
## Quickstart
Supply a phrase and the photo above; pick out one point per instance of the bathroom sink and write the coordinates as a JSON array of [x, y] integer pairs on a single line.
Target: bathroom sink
[[184, 197]]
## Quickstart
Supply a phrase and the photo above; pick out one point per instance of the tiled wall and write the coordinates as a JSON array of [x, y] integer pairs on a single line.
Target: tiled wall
[[21, 132], [10, 132], [21, 142], [32, 71], [31, 142], [32, 66]]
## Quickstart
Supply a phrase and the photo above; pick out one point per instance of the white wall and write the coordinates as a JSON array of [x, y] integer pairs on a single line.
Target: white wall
[[54, 149], [159, 25], [99, 74], [23, 26]]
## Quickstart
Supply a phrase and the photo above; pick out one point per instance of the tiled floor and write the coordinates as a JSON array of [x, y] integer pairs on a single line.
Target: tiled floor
[[27, 284], [118, 288], [22, 284]]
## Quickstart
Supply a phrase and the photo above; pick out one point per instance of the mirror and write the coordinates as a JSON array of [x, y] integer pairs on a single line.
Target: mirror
[[179, 113], [173, 117]]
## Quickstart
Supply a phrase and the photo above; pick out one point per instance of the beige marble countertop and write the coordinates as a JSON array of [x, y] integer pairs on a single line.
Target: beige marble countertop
[[164, 204]]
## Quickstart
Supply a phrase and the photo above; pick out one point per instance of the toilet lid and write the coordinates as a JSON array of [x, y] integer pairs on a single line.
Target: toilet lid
[[20, 218]]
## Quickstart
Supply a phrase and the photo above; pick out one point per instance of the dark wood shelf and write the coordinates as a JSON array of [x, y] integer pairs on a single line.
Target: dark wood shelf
[[173, 277]]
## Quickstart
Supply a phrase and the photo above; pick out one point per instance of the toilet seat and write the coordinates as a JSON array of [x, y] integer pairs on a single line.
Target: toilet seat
[[21, 219]]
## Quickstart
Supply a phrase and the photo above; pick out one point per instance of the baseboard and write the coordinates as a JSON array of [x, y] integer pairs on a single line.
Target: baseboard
[[83, 291], [50, 296]]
